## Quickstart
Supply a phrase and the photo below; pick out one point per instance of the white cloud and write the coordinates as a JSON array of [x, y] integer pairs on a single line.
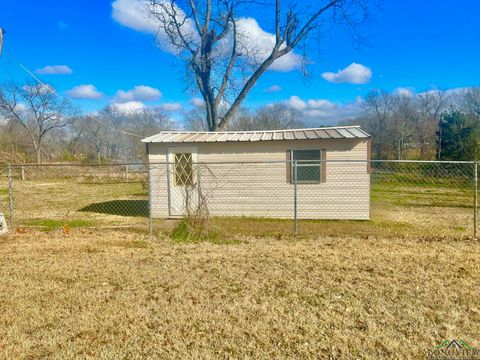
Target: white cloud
[[138, 93], [133, 14], [403, 91], [54, 70], [197, 102], [20, 107], [353, 74], [325, 112], [254, 43], [172, 106], [296, 103], [130, 106], [273, 88], [257, 44], [320, 104], [87, 91]]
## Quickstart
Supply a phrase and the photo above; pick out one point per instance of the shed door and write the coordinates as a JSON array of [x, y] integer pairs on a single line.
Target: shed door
[[183, 190]]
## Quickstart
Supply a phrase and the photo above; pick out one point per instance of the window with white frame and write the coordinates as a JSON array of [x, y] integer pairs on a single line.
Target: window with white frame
[[308, 165]]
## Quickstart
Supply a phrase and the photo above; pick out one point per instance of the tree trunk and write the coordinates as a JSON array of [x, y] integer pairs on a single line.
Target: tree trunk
[[38, 151], [212, 118]]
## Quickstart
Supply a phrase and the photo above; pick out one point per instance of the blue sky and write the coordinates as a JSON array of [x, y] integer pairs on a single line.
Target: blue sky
[[417, 45]]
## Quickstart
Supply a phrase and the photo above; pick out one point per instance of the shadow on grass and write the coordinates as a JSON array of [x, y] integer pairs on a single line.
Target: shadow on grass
[[119, 207]]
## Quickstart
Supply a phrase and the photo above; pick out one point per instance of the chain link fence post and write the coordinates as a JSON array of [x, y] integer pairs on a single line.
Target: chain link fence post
[[10, 194], [475, 203], [149, 186], [295, 199]]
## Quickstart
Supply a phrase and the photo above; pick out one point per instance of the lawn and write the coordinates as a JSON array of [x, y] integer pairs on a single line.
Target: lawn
[[77, 293]]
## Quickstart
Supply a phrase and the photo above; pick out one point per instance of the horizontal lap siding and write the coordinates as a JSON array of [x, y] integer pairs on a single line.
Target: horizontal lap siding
[[247, 190], [158, 181], [261, 189]]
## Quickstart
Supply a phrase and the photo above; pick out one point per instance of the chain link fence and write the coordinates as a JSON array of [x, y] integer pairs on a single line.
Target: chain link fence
[[404, 197], [75, 195]]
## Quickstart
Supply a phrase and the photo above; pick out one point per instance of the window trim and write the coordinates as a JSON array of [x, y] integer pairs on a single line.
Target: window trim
[[183, 166], [320, 167]]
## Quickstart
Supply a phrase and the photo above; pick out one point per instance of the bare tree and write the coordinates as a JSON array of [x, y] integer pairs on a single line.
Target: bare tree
[[37, 109], [378, 104], [194, 120], [270, 117], [402, 126], [469, 101], [208, 36], [431, 104]]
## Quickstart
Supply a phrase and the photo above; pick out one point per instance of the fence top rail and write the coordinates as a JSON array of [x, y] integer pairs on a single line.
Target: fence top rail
[[248, 162], [77, 165], [425, 161]]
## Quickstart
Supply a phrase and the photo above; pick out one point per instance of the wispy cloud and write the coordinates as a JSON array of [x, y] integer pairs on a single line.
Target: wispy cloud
[[273, 89], [87, 91], [171, 106], [353, 74], [325, 112], [196, 101], [54, 70], [128, 107], [138, 93]]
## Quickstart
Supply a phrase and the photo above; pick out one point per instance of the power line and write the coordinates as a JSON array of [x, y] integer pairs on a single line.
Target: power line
[[27, 70]]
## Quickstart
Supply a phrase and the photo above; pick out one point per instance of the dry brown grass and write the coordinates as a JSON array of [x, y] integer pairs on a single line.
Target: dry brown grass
[[119, 295]]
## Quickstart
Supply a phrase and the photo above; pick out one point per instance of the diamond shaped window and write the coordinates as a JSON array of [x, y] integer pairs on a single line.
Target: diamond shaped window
[[183, 169]]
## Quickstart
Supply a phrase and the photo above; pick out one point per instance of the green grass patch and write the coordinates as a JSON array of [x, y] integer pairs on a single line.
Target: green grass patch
[[186, 232], [50, 224]]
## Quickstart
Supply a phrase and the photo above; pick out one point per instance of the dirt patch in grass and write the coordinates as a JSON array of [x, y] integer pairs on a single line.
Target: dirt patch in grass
[[114, 294]]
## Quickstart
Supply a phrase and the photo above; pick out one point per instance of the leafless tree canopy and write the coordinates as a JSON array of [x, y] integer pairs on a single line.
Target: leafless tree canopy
[[208, 36], [270, 117], [36, 109], [405, 125], [104, 136]]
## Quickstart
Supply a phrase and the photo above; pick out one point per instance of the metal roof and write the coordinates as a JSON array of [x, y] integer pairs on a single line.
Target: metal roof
[[336, 132]]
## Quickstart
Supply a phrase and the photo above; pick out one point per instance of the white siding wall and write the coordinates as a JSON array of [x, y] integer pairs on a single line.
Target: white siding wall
[[262, 189]]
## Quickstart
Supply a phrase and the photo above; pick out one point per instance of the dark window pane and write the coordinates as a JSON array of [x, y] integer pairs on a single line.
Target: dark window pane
[[308, 155], [308, 165]]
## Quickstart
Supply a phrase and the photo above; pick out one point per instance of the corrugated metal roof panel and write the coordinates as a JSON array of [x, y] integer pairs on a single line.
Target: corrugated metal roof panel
[[198, 137], [358, 132], [299, 135], [322, 134], [267, 136], [346, 133], [256, 137], [276, 135], [334, 133]]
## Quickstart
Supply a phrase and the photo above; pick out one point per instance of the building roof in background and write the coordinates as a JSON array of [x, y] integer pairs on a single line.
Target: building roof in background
[[335, 132]]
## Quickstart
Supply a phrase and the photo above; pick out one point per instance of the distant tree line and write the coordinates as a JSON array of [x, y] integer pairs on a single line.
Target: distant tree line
[[37, 125], [442, 125]]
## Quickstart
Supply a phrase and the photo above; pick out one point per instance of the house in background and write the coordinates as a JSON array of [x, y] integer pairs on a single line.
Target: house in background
[[252, 173]]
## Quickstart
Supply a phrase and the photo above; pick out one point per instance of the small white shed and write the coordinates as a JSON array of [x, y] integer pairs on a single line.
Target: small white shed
[[253, 173]]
